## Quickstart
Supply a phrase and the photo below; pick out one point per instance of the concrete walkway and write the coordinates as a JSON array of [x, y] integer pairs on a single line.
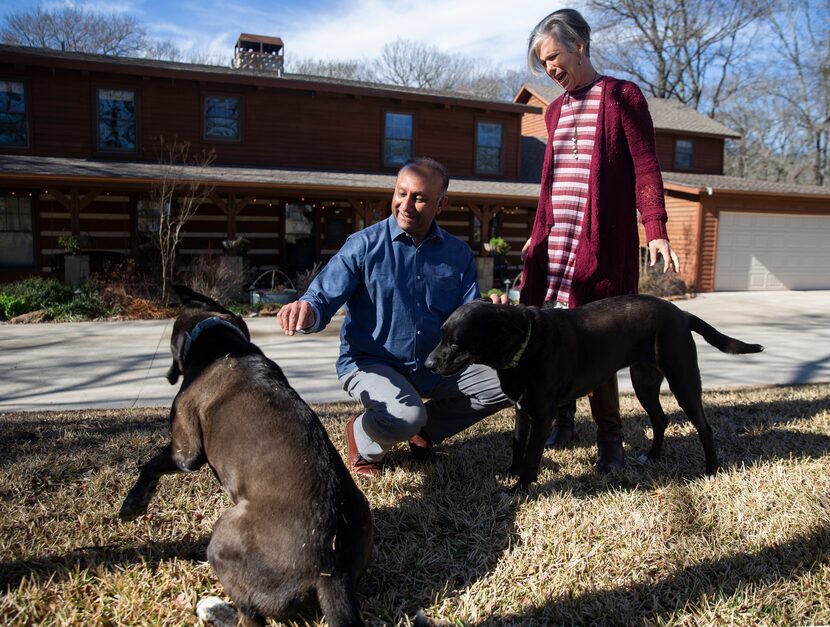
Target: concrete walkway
[[122, 364]]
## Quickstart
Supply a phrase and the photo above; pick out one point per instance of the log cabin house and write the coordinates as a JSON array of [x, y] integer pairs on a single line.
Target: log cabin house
[[302, 161]]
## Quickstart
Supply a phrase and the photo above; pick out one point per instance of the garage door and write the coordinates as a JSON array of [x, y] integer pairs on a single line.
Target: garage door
[[772, 252]]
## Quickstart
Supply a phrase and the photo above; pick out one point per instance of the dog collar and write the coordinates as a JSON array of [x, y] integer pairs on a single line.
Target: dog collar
[[203, 326], [519, 353]]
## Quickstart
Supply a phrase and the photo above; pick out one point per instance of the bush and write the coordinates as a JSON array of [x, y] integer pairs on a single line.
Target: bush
[[11, 306], [658, 283], [57, 299], [209, 276], [39, 293]]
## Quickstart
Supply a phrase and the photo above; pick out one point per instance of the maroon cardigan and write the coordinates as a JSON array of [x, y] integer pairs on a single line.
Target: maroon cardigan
[[625, 177]]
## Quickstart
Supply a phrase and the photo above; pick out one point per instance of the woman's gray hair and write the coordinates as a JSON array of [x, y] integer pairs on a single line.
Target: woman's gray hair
[[567, 26]]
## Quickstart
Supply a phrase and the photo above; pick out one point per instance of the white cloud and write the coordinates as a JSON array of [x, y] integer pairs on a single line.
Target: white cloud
[[494, 33]]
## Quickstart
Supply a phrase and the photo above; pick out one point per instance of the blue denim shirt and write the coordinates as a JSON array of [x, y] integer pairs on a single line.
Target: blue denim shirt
[[397, 296]]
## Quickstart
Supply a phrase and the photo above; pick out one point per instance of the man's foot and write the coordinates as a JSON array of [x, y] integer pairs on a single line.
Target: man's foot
[[361, 467], [562, 434], [421, 446]]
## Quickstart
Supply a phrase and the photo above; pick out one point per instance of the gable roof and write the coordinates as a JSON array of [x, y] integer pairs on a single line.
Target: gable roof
[[81, 61], [667, 115]]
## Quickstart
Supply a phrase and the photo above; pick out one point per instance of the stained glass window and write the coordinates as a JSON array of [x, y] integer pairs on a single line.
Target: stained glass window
[[116, 120], [13, 126], [222, 117]]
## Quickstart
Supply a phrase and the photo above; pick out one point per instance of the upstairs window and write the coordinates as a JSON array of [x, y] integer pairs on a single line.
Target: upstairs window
[[684, 154], [13, 125], [488, 147], [16, 237], [222, 118], [116, 120], [397, 139]]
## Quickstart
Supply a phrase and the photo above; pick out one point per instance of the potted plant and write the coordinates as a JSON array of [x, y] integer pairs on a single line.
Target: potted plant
[[75, 264]]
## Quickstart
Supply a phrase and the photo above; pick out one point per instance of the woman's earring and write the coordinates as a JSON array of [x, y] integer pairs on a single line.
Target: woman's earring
[[580, 60]]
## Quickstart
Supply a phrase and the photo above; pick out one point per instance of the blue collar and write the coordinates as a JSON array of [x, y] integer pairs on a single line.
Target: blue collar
[[397, 232], [203, 326]]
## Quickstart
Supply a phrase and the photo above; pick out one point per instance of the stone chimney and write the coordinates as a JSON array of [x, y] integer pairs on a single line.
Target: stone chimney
[[258, 52]]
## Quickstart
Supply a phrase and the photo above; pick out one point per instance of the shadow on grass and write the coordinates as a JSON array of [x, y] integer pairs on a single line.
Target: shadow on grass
[[58, 567], [657, 601]]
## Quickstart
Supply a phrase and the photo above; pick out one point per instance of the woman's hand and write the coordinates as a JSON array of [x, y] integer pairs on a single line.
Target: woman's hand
[[662, 247], [525, 250]]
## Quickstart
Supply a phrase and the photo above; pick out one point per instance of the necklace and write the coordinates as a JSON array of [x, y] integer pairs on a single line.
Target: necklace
[[575, 138]]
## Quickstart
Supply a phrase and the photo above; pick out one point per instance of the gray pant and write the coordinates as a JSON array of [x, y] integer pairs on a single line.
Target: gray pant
[[394, 410]]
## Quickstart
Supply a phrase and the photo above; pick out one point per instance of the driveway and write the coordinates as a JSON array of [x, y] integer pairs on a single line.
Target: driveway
[[122, 364]]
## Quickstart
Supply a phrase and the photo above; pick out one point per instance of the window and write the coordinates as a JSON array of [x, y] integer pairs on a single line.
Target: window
[[222, 117], [488, 147], [116, 120], [16, 237], [684, 154], [13, 127], [397, 139]]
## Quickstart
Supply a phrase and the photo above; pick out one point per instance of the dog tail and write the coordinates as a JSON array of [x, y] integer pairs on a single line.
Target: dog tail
[[719, 340]]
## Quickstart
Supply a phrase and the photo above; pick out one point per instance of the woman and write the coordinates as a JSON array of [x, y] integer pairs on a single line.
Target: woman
[[600, 170]]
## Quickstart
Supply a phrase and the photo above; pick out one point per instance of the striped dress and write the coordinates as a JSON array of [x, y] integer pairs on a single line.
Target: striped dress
[[573, 149]]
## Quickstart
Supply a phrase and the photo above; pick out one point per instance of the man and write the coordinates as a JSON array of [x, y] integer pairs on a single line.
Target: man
[[400, 280]]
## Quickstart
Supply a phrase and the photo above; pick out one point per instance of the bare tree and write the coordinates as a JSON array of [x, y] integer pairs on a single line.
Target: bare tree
[[348, 69], [689, 51], [801, 30], [181, 189], [415, 64], [80, 30]]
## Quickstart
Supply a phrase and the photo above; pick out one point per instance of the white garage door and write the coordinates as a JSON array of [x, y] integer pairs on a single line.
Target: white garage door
[[772, 252]]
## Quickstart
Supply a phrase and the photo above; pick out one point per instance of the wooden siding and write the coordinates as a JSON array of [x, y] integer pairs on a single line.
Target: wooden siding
[[280, 127], [708, 153], [533, 124]]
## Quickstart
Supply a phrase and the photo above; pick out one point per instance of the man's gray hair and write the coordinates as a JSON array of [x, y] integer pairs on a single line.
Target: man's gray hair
[[567, 26], [430, 164]]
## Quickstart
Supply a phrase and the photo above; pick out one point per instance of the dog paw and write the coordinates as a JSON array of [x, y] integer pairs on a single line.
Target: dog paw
[[131, 509], [217, 612]]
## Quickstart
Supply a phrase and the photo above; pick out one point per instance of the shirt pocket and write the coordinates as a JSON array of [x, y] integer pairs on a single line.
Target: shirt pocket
[[443, 294]]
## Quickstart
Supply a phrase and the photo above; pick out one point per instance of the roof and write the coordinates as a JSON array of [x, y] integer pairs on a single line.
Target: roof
[[667, 115], [192, 71], [719, 183], [533, 157], [21, 169], [265, 39]]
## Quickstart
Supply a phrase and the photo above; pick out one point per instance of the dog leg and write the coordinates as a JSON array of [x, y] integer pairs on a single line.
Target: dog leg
[[137, 500], [540, 423], [337, 600], [647, 379], [683, 376], [520, 435]]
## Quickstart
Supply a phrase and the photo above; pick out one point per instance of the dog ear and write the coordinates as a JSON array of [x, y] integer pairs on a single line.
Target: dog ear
[[192, 298], [177, 347]]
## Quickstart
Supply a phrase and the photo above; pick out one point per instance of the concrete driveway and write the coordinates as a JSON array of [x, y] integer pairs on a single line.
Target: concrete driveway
[[122, 364]]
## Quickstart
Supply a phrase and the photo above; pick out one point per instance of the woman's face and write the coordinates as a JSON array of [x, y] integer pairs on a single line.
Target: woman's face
[[561, 64]]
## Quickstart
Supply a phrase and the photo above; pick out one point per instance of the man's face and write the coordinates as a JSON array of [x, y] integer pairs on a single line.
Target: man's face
[[417, 200]]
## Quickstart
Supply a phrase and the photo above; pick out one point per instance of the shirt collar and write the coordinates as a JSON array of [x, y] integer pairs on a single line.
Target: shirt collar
[[397, 232]]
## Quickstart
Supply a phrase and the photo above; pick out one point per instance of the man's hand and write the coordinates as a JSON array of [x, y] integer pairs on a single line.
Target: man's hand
[[296, 316]]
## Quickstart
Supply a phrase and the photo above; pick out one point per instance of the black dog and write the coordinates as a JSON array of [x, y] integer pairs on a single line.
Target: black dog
[[547, 358], [299, 527]]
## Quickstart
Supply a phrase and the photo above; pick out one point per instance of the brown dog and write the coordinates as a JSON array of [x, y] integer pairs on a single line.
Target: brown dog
[[299, 527], [546, 358]]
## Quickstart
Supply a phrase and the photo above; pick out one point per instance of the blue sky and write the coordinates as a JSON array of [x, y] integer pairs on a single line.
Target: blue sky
[[492, 31]]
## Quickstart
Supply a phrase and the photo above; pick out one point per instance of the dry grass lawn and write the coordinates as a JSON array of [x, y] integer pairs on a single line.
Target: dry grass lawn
[[653, 545]]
